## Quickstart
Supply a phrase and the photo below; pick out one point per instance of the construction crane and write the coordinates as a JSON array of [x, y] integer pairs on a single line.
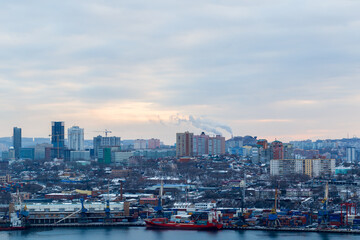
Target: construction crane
[[58, 142], [105, 131]]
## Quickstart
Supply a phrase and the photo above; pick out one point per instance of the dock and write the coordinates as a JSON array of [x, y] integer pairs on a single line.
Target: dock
[[349, 231], [84, 225], [142, 224]]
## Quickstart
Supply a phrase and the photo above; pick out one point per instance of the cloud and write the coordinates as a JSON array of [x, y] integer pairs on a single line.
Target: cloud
[[272, 120], [250, 64]]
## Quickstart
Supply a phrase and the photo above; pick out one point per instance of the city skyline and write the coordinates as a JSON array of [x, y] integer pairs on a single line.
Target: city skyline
[[225, 119], [197, 131], [267, 69]]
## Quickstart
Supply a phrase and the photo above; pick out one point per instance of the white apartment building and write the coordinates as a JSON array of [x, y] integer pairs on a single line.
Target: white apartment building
[[76, 138], [350, 154], [310, 167], [140, 144]]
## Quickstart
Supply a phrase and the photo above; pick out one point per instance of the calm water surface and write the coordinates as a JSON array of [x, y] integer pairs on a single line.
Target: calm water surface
[[142, 233]]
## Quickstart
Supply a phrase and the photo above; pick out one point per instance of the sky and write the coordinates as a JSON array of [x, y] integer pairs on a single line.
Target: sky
[[279, 69]]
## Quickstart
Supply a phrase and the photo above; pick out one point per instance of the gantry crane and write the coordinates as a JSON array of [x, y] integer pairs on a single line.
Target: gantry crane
[[273, 217], [324, 213]]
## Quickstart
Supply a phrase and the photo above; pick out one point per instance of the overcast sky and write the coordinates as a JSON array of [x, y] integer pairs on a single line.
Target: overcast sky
[[274, 69]]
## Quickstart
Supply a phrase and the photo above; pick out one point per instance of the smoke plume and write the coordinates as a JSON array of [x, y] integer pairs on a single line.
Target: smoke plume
[[200, 123]]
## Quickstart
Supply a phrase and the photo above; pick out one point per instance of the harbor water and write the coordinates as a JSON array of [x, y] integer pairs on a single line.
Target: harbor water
[[138, 233]]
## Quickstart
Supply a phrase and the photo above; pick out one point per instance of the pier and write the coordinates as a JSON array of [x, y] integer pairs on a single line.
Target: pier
[[351, 231], [233, 228], [84, 225]]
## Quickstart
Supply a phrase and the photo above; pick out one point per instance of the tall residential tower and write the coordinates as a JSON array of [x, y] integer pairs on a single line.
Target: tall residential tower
[[57, 139], [17, 141], [184, 144], [76, 138]]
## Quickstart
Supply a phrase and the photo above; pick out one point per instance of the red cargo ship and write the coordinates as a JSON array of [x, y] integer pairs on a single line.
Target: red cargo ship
[[11, 228], [164, 223]]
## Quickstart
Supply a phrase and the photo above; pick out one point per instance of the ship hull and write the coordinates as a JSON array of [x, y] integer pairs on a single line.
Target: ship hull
[[183, 226], [12, 228]]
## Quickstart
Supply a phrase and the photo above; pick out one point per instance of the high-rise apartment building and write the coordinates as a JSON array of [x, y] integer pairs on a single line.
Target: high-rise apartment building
[[277, 150], [111, 141], [76, 138], [310, 167], [17, 141], [140, 144], [146, 144], [350, 155], [201, 144], [58, 134], [105, 142], [216, 145], [255, 154], [40, 151], [288, 151], [57, 139], [263, 143], [184, 144], [204, 144], [27, 153], [283, 167], [323, 167], [153, 143]]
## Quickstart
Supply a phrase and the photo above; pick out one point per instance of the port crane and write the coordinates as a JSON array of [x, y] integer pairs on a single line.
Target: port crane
[[241, 214], [83, 211], [159, 208], [273, 217], [324, 213]]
